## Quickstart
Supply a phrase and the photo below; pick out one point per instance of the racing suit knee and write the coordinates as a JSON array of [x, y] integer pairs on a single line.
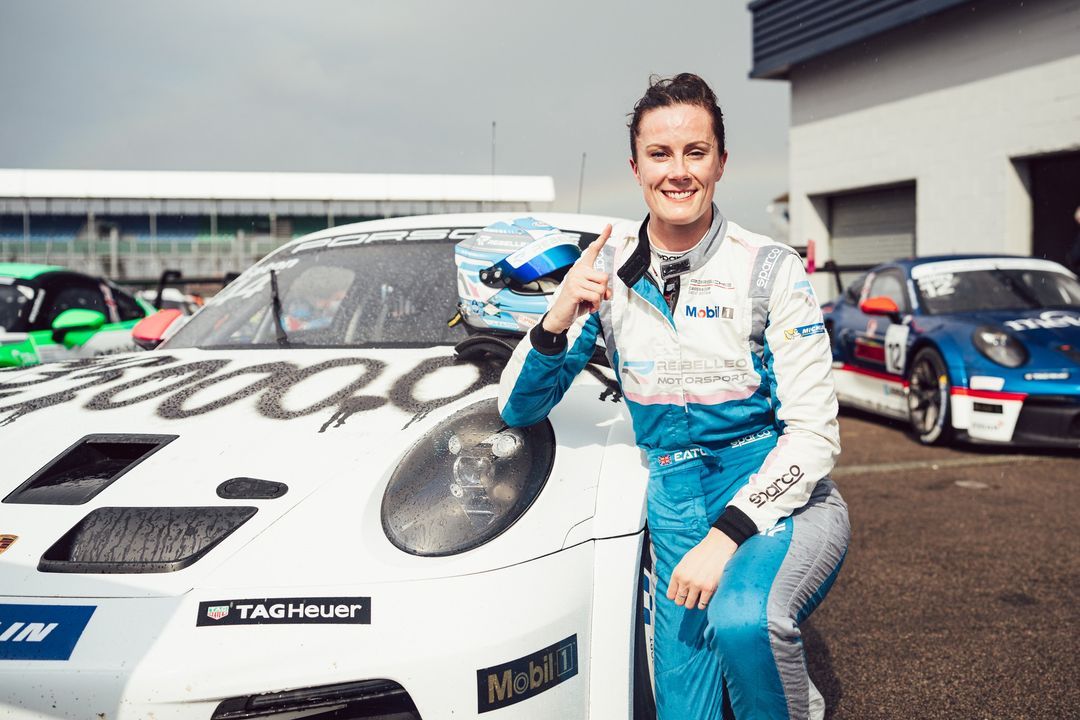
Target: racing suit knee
[[748, 641]]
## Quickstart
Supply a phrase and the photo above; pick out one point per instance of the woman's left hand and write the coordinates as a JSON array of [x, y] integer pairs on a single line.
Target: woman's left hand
[[695, 578]]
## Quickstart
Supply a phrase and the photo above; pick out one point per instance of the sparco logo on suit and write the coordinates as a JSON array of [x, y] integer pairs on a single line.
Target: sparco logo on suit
[[767, 267]]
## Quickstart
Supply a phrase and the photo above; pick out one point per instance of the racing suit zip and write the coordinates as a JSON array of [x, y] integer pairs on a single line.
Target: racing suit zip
[[682, 387]]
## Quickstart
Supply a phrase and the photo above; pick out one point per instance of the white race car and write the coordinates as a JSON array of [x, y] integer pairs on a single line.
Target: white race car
[[304, 504]]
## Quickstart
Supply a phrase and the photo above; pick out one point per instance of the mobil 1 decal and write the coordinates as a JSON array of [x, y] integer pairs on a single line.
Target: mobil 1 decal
[[517, 680], [286, 611]]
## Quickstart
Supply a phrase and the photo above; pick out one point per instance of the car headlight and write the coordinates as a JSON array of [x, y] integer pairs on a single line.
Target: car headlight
[[999, 346], [466, 482]]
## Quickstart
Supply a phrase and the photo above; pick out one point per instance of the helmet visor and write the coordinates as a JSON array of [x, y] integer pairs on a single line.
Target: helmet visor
[[534, 261]]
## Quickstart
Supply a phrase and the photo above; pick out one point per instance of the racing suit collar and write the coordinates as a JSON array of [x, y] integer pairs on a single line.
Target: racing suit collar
[[638, 263]]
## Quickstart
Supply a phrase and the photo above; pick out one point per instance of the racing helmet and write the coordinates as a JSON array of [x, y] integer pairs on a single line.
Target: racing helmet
[[507, 273]]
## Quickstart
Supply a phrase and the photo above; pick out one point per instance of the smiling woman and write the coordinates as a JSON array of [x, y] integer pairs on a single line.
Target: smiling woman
[[726, 370], [678, 155]]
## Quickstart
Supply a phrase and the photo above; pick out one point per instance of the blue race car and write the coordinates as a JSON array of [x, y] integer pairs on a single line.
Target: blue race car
[[977, 348]]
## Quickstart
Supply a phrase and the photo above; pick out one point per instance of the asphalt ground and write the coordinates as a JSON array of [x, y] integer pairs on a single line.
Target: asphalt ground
[[959, 594]]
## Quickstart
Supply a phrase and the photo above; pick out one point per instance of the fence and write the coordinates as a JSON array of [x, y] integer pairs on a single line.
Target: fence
[[128, 256]]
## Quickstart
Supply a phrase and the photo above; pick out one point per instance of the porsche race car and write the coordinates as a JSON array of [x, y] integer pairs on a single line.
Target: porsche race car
[[49, 313], [303, 502], [978, 348]]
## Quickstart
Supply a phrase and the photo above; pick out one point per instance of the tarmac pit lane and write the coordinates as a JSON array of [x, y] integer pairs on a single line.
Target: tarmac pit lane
[[958, 596]]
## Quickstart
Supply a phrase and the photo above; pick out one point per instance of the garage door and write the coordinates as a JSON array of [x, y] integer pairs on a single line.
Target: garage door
[[873, 226], [1055, 197]]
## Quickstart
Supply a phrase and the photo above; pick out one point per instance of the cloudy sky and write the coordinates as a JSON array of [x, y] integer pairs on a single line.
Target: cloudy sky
[[379, 86]]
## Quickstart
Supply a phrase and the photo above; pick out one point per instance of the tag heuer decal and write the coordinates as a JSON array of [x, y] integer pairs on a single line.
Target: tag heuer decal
[[216, 612], [285, 611]]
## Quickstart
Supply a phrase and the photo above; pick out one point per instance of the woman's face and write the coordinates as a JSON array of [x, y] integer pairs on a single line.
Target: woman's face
[[677, 166]]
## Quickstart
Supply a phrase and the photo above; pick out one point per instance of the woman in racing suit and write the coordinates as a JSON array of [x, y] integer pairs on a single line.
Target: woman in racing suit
[[719, 346]]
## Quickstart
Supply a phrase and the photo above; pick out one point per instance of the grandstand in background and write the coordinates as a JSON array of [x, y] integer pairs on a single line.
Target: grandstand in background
[[133, 224]]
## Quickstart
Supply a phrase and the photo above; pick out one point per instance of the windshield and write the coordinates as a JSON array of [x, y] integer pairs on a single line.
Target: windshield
[[997, 289], [14, 304], [373, 295]]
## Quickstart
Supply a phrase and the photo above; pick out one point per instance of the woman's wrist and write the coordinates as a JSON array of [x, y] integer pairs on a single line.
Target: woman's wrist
[[552, 325], [721, 539]]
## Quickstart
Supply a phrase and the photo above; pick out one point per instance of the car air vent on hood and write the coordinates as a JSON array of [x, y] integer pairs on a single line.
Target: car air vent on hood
[[86, 468], [142, 539], [243, 488]]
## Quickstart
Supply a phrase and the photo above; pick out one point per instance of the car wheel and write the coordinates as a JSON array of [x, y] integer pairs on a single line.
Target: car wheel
[[928, 398]]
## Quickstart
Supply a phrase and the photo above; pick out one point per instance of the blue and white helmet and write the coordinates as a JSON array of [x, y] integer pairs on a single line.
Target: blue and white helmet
[[507, 272]]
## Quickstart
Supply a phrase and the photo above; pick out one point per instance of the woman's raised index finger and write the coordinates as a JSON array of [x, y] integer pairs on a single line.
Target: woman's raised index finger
[[594, 248]]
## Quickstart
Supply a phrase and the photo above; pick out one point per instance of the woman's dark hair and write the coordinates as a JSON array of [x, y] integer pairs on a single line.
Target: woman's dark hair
[[683, 89]]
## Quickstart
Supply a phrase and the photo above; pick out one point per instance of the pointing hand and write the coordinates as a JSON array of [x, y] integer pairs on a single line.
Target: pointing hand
[[582, 289]]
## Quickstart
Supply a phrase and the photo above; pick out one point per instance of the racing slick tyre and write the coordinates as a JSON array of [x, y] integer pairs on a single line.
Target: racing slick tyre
[[928, 398]]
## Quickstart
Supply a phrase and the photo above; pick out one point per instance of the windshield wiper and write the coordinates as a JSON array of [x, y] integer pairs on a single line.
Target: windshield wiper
[[275, 305]]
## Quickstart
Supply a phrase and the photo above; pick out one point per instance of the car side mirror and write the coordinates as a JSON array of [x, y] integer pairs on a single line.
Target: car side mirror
[[881, 305], [150, 331], [76, 320]]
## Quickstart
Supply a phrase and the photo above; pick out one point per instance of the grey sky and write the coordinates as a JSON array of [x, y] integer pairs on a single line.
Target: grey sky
[[380, 86]]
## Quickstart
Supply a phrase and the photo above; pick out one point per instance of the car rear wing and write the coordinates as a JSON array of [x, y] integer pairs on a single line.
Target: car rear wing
[[175, 278], [831, 267]]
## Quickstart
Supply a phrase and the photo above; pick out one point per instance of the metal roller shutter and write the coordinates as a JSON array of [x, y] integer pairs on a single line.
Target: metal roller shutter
[[873, 226]]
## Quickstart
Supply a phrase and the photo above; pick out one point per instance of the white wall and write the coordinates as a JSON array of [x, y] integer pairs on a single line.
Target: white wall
[[949, 103]]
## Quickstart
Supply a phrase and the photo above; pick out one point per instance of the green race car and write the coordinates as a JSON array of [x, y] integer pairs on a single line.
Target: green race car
[[49, 313]]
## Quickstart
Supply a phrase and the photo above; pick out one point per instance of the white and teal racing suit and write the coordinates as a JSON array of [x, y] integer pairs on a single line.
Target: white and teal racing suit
[[726, 372]]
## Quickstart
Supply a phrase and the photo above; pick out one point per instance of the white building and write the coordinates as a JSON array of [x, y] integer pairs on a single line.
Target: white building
[[136, 224], [925, 127]]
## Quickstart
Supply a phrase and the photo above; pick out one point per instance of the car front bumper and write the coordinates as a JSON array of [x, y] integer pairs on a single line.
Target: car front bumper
[[552, 637], [1017, 418], [1050, 421]]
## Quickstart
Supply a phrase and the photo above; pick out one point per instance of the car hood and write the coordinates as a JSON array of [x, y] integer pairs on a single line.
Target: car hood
[[1034, 327], [328, 424]]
